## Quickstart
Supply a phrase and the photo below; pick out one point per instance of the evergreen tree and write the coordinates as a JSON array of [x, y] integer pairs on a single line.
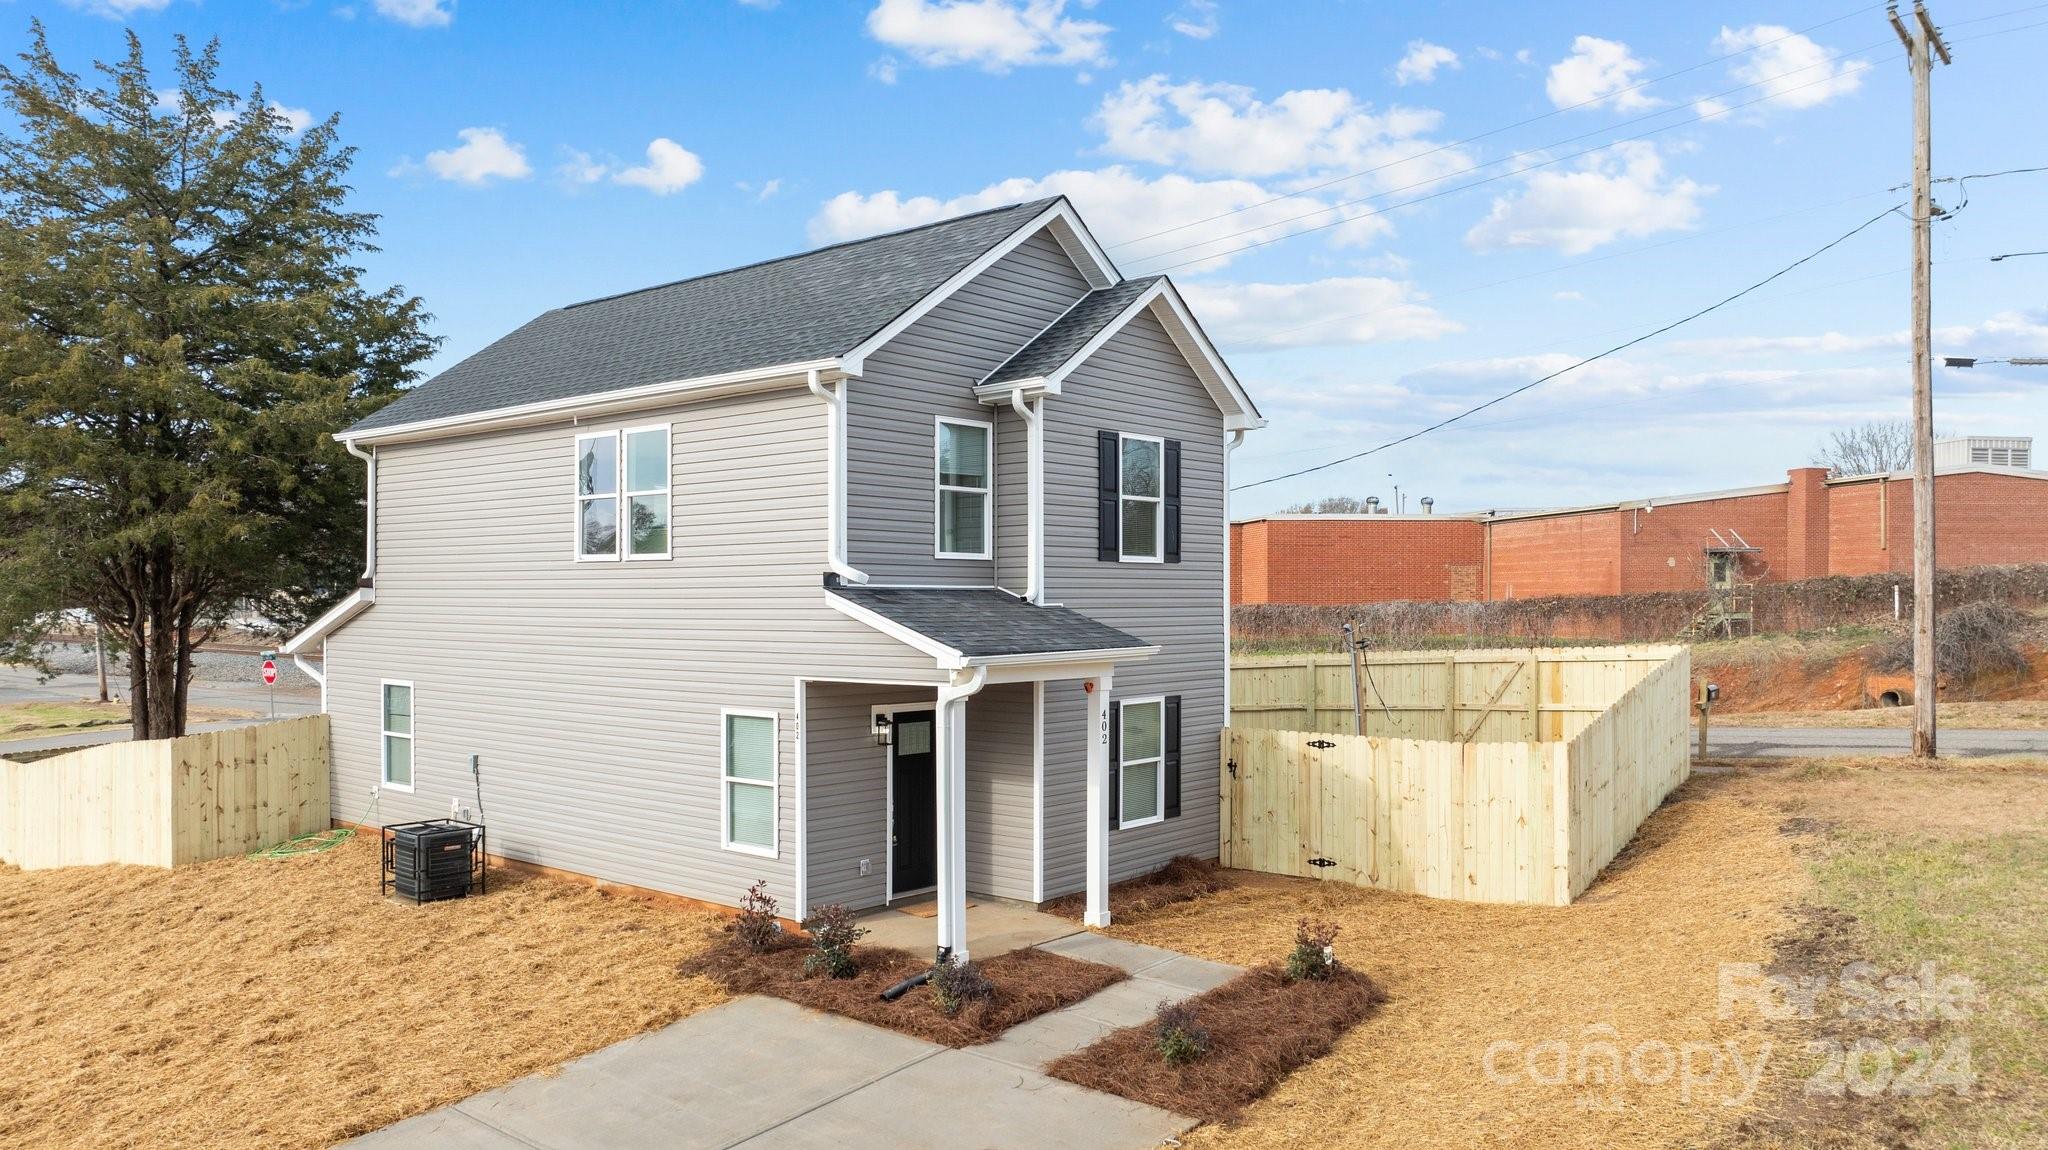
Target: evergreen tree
[[182, 329]]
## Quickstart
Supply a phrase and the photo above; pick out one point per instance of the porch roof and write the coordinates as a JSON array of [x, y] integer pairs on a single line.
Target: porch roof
[[982, 624]]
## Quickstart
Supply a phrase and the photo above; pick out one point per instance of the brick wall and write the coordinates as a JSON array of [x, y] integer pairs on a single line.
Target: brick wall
[[1810, 529], [1332, 560], [1578, 554]]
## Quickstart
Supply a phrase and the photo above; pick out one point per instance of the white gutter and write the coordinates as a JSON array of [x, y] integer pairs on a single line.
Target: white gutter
[[1034, 425], [835, 476]]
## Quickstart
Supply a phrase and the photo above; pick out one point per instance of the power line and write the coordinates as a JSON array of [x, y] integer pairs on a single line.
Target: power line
[[1857, 69], [1507, 395], [1604, 96]]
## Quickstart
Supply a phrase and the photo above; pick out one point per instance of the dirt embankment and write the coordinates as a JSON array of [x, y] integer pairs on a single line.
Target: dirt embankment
[[1785, 675]]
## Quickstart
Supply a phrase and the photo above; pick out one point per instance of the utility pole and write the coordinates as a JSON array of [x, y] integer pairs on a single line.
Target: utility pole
[[1919, 39]]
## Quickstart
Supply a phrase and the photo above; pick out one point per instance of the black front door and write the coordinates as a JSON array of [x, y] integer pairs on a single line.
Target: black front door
[[914, 813]]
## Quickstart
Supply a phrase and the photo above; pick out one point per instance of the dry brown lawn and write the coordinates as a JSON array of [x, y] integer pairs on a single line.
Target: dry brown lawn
[[23, 720], [246, 1003], [1799, 866]]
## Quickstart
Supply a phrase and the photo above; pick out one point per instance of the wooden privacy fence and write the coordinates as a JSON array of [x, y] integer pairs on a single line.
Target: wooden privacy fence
[[1544, 693], [1518, 821], [166, 802]]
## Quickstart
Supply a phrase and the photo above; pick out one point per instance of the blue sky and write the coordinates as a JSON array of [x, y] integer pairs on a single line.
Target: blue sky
[[1428, 247]]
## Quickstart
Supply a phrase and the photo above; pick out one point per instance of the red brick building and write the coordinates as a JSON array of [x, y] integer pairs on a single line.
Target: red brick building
[[1806, 527]]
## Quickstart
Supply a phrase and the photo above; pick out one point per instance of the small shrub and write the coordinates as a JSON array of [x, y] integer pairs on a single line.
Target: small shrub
[[1181, 1036], [833, 931], [756, 927], [1970, 642], [1315, 953], [955, 984]]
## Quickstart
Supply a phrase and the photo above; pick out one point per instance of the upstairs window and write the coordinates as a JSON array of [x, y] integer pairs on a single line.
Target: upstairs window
[[623, 472], [1141, 498], [962, 460]]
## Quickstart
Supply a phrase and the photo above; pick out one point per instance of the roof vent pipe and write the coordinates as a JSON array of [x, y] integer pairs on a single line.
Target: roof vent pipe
[[1372, 505], [1428, 505]]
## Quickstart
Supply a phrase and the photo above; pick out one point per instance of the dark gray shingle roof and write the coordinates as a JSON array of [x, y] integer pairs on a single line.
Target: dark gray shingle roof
[[1071, 332], [810, 306], [982, 622]]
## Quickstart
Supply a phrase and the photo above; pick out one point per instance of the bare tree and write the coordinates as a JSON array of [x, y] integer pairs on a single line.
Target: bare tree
[[1328, 505], [1877, 447]]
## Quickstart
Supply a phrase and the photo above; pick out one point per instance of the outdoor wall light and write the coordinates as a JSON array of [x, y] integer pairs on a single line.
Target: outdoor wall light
[[884, 725]]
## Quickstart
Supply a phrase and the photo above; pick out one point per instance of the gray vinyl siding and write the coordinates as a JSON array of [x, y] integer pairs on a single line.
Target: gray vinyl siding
[[592, 691], [1013, 501], [999, 792], [927, 371], [1137, 382], [847, 785]]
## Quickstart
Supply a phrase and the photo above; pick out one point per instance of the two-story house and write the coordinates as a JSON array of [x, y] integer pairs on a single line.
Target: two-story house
[[891, 567]]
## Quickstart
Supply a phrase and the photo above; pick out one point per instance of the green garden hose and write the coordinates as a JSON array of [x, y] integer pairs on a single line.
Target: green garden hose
[[315, 842]]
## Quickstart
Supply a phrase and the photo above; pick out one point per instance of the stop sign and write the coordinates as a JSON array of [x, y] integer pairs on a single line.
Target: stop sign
[[269, 672]]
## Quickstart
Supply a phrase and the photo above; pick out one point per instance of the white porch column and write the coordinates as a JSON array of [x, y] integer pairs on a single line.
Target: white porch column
[[1099, 799], [950, 737]]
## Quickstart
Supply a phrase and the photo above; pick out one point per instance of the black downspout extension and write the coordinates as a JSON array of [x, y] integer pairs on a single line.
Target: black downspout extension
[[916, 980]]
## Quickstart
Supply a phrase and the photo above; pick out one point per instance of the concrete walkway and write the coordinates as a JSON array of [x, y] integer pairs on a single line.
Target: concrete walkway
[[759, 1072]]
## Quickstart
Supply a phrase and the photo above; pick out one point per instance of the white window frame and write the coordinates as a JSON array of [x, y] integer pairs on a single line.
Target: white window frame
[[1158, 503], [384, 734], [726, 779], [1157, 763], [577, 499], [940, 488], [666, 491]]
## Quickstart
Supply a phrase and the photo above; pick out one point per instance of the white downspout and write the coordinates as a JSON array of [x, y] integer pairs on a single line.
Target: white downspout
[[1230, 445], [1034, 426], [951, 716], [835, 476], [370, 507]]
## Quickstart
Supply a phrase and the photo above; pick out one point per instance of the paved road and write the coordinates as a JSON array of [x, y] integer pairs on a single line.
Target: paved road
[[1805, 742], [19, 685], [760, 1073]]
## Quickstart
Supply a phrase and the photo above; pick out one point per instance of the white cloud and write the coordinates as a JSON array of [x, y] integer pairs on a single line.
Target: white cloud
[[769, 188], [1709, 108], [1120, 206], [484, 155], [883, 70], [1567, 296], [996, 35], [1338, 310], [119, 9], [1226, 129], [1196, 19], [1423, 59], [582, 168], [670, 168], [1618, 191], [296, 120], [2004, 333], [1791, 69], [418, 13], [1595, 74]]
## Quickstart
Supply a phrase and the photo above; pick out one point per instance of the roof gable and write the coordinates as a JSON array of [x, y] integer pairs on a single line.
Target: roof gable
[[811, 306]]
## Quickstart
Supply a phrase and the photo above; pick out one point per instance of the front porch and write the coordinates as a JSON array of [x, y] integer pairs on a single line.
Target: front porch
[[993, 926]]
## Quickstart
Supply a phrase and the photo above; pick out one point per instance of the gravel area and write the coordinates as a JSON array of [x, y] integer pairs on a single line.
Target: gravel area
[[208, 666]]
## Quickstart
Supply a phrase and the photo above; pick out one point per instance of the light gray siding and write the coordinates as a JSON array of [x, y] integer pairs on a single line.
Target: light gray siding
[[928, 371], [1013, 501], [592, 691], [1137, 382], [847, 785]]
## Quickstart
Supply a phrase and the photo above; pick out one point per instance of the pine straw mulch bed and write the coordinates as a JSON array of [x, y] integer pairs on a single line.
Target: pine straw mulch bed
[[1261, 1025], [1027, 982], [1710, 879], [1183, 878], [260, 1003]]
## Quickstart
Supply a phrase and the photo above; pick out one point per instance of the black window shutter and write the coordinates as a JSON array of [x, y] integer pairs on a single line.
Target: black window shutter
[[1172, 478], [1116, 755], [1108, 470], [1172, 736]]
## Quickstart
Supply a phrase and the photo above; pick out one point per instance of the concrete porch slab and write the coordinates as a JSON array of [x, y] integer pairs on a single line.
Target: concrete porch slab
[[993, 928], [960, 1098]]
